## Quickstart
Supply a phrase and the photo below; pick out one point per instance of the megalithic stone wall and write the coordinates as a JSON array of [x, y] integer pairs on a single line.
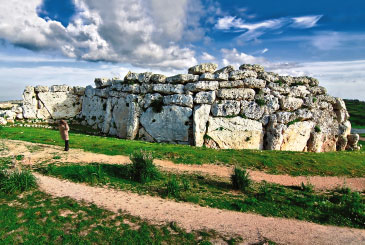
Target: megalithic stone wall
[[226, 109]]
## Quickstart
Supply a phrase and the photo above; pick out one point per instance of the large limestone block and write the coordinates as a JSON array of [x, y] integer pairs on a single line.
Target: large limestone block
[[158, 78], [29, 103], [149, 98], [236, 94], [254, 67], [130, 88], [202, 86], [203, 68], [3, 121], [225, 70], [235, 133], [207, 77], [125, 115], [268, 76], [226, 108], [205, 97], [179, 99], [251, 82], [232, 84], [296, 136], [103, 93], [241, 74], [272, 103], [60, 88], [144, 77], [79, 90], [182, 78], [61, 105], [315, 142], [108, 116], [274, 135], [299, 91], [281, 88], [102, 82], [200, 117], [317, 90], [93, 109], [170, 125], [40, 88], [290, 103], [168, 88], [252, 110]]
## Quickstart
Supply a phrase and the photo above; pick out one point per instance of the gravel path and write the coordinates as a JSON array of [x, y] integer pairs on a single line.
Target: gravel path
[[47, 153], [251, 227]]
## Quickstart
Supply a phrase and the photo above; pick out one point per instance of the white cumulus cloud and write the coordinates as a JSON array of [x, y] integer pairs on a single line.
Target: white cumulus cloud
[[306, 21]]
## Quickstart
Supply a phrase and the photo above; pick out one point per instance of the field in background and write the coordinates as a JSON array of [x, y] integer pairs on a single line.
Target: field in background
[[356, 110]]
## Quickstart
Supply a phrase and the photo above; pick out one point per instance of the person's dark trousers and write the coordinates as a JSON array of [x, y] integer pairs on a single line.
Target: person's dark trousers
[[66, 145]]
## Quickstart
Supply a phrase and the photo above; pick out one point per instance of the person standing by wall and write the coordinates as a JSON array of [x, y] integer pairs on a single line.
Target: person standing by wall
[[64, 128]]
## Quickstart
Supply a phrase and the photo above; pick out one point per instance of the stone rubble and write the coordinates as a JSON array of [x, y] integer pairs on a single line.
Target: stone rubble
[[247, 108]]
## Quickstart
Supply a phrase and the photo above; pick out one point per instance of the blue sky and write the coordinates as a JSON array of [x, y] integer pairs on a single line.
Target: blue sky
[[72, 41]]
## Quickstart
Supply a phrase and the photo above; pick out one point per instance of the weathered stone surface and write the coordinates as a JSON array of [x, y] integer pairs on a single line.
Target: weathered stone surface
[[352, 141], [226, 108], [296, 136], [304, 114], [170, 125], [61, 105], [40, 88], [131, 77], [89, 91], [149, 98], [158, 78], [103, 93], [282, 88], [235, 133], [168, 88], [144, 77], [232, 84], [226, 70], [251, 82], [286, 79], [200, 119], [268, 76], [179, 99], [239, 75], [143, 135], [290, 103], [102, 82], [130, 88], [317, 90], [146, 88], [327, 98], [272, 103], [207, 77], [301, 80], [285, 117], [182, 78], [93, 110], [254, 67], [60, 88], [221, 76], [79, 90], [203, 68], [251, 110], [205, 97], [236, 94], [202, 86], [299, 91], [315, 142]]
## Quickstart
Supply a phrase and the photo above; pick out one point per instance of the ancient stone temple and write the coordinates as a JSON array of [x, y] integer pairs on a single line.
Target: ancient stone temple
[[226, 109]]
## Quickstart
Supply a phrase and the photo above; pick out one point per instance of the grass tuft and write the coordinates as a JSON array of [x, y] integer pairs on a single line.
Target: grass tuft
[[240, 179], [17, 181], [143, 170]]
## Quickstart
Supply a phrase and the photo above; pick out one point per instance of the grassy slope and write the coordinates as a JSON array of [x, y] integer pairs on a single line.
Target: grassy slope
[[293, 163], [356, 110], [341, 208]]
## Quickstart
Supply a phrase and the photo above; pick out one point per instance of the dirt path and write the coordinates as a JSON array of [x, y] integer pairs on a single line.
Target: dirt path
[[36, 153], [362, 138], [251, 227]]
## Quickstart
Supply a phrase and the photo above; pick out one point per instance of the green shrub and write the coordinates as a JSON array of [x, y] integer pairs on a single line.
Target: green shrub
[[307, 187], [17, 181], [317, 129], [157, 105], [292, 122], [143, 170], [173, 187], [19, 157], [260, 102], [240, 179]]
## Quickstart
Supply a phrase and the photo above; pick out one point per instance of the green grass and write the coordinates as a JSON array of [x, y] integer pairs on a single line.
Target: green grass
[[341, 207], [276, 162], [356, 110], [37, 218]]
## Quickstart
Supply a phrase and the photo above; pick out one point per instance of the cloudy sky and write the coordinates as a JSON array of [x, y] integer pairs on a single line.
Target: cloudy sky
[[73, 41]]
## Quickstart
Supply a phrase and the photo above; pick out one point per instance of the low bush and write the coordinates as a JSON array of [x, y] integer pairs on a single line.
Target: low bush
[[17, 181], [143, 170], [173, 187], [240, 179]]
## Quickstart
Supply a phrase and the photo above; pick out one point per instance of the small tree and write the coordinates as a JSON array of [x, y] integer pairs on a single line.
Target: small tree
[[143, 170], [240, 179]]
